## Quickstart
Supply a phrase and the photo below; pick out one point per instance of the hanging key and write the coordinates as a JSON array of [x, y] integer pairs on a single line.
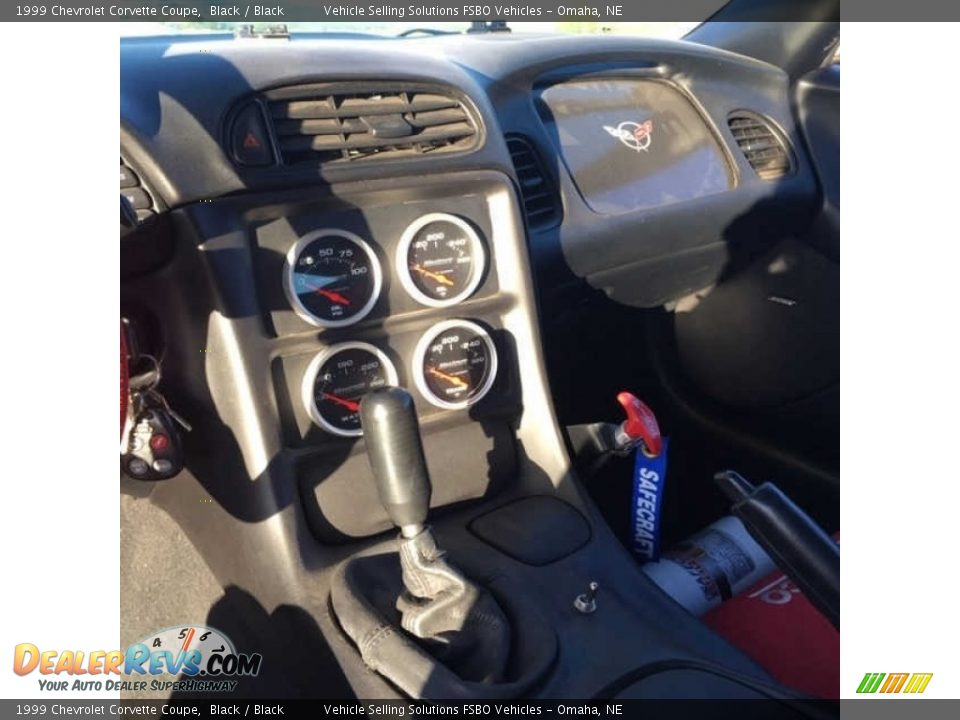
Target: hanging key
[[145, 374], [153, 395]]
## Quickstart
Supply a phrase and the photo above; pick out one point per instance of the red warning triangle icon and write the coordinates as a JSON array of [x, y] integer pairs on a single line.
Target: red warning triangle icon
[[250, 141]]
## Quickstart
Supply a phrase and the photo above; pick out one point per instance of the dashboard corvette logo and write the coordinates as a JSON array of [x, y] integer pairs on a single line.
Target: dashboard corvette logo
[[635, 136]]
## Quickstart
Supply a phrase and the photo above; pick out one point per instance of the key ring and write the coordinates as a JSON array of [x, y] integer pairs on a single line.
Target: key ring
[[149, 379]]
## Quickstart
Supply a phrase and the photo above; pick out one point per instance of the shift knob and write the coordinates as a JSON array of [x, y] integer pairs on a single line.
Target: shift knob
[[395, 451]]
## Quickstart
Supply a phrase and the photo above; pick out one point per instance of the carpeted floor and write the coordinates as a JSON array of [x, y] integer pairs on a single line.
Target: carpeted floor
[[163, 580]]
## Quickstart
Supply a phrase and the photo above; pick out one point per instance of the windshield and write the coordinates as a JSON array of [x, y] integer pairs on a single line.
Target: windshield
[[669, 30]]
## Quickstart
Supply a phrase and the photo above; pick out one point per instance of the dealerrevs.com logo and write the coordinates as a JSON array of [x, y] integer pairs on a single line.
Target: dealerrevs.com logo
[[203, 657], [908, 683]]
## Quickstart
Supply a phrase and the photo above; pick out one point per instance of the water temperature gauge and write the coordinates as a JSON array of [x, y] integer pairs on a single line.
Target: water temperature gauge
[[338, 378]]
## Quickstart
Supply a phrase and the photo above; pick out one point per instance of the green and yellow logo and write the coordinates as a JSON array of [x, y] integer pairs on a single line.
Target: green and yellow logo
[[894, 683]]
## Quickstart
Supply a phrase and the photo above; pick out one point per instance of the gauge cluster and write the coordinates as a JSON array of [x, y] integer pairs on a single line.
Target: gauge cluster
[[333, 278], [452, 365], [395, 295]]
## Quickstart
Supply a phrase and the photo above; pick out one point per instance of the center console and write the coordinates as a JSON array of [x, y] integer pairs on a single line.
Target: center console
[[295, 309], [415, 288]]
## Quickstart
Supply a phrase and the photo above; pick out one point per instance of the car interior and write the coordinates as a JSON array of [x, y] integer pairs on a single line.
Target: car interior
[[390, 307]]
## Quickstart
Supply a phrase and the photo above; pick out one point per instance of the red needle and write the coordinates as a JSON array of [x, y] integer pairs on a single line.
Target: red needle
[[332, 296], [348, 404]]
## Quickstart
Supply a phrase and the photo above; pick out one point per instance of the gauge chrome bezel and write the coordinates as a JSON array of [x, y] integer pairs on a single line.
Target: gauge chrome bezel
[[478, 267], [290, 265], [420, 354], [309, 381]]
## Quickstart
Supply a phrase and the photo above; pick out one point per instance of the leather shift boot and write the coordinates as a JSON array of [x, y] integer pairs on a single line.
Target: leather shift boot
[[460, 624]]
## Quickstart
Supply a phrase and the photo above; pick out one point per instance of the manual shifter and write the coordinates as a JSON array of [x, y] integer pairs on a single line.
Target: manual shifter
[[462, 624], [396, 456], [457, 641]]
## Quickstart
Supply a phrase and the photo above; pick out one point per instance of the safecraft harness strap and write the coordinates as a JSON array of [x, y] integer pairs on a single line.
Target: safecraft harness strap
[[649, 474]]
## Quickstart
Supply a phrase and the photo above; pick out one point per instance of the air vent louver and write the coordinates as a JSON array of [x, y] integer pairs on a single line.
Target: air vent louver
[[329, 123], [540, 203], [136, 192], [762, 145]]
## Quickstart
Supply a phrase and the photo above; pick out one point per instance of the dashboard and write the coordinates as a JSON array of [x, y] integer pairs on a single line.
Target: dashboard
[[342, 215]]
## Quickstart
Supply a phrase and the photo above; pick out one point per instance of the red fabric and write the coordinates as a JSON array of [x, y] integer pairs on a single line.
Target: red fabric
[[776, 625]]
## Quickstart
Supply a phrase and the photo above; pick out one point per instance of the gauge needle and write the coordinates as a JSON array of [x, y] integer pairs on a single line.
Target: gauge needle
[[453, 379], [348, 404], [188, 640], [442, 279], [332, 296]]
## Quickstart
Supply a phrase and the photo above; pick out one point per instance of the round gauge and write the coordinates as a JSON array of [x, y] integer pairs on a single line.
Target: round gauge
[[455, 364], [191, 637], [338, 378], [332, 278], [440, 259], [200, 640]]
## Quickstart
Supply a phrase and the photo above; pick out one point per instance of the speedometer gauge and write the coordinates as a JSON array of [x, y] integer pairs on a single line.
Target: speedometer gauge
[[455, 364], [440, 259], [337, 379], [332, 278]]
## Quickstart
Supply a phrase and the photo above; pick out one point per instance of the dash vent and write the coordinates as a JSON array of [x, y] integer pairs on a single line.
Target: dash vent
[[761, 144], [136, 192], [326, 123], [540, 202]]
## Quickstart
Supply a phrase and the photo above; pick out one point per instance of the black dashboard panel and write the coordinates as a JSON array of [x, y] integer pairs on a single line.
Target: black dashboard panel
[[678, 223], [175, 126]]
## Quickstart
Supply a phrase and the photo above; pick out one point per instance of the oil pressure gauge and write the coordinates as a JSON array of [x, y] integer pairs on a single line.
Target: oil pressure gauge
[[440, 259], [332, 278], [455, 364]]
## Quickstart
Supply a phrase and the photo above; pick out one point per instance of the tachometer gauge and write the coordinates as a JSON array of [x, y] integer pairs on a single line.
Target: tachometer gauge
[[455, 364], [180, 639], [440, 259], [338, 378], [332, 278]]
